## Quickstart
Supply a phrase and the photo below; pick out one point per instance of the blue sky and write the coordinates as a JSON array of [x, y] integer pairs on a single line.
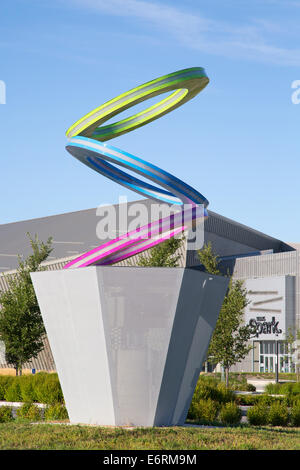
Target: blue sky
[[237, 142]]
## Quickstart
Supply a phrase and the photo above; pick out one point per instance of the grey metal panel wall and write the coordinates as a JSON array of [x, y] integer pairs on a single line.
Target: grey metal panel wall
[[225, 228]]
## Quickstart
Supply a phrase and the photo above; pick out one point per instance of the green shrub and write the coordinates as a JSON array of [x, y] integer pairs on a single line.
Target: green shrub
[[258, 415], [225, 395], [278, 414], [250, 388], [243, 387], [42, 387], [266, 400], [247, 400], [5, 414], [13, 391], [204, 411], [57, 411], [5, 382], [273, 389], [206, 389], [293, 401], [28, 392], [230, 414], [49, 390], [30, 412], [290, 389], [295, 415]]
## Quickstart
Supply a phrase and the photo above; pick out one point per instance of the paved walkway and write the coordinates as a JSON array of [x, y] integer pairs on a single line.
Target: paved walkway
[[260, 384]]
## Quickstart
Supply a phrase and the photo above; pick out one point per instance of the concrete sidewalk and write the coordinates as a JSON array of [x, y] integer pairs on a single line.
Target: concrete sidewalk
[[260, 384]]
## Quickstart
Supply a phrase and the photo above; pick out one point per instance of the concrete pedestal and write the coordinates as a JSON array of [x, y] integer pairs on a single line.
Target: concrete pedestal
[[129, 342]]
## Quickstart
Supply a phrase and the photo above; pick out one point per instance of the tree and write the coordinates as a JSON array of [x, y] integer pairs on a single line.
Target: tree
[[209, 259], [21, 325], [298, 355], [292, 348], [229, 342], [162, 255]]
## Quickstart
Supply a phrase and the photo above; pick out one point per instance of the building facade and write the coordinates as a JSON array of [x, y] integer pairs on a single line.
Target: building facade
[[273, 285]]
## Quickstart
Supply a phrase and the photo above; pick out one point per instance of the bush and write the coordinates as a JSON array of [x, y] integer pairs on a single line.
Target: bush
[[258, 415], [295, 415], [28, 393], [273, 389], [13, 391], [224, 394], [230, 414], [247, 400], [244, 387], [30, 412], [290, 389], [48, 390], [204, 411], [278, 414], [212, 393], [210, 389], [250, 388], [42, 387], [5, 414], [5, 382], [57, 411], [266, 400]]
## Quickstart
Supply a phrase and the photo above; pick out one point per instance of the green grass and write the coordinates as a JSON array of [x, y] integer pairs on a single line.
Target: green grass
[[62, 437]]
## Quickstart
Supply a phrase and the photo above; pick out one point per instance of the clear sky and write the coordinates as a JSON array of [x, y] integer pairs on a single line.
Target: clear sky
[[237, 142]]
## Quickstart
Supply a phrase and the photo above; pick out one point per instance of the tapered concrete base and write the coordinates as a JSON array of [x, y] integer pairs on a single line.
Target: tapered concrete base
[[129, 342]]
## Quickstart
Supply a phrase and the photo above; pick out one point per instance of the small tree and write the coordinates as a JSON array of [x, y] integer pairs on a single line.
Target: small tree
[[209, 259], [21, 325], [229, 342], [298, 355], [292, 344], [162, 255]]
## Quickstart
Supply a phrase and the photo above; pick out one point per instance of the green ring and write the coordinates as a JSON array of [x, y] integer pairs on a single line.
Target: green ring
[[187, 83]]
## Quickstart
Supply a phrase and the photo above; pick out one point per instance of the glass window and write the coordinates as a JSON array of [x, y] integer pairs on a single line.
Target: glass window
[[268, 357], [271, 364], [266, 364]]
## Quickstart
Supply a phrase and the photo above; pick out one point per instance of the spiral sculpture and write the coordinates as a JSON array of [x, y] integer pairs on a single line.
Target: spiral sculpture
[[86, 139]]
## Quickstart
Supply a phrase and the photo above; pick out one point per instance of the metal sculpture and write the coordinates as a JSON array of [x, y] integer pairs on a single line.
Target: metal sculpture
[[86, 144]]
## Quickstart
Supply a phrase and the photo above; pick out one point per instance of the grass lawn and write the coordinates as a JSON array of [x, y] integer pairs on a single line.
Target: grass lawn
[[63, 437]]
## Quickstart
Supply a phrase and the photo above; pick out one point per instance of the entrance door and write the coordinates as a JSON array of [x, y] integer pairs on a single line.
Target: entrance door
[[267, 357]]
